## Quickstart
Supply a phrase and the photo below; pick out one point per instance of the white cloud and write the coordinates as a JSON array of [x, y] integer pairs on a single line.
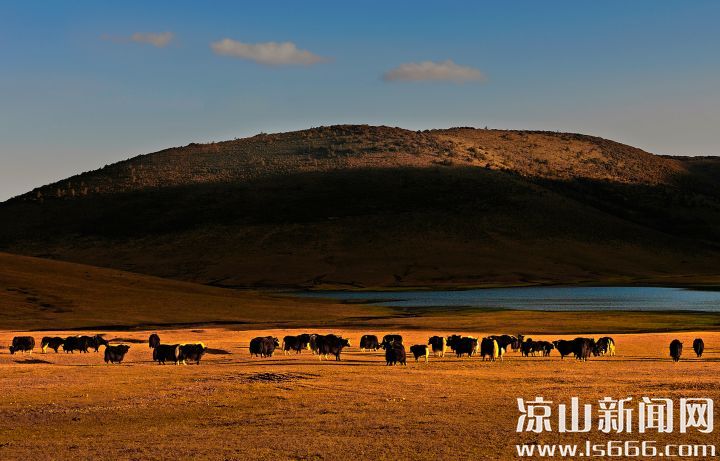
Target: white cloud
[[159, 40], [269, 53], [433, 71]]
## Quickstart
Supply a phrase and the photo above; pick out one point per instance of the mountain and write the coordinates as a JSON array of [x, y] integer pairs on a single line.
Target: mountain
[[362, 206]]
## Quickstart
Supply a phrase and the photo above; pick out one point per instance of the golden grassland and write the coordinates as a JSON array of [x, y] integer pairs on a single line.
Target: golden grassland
[[58, 406], [232, 406]]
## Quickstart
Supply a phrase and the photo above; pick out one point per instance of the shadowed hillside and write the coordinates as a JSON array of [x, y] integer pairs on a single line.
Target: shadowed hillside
[[359, 206], [41, 294], [38, 294]]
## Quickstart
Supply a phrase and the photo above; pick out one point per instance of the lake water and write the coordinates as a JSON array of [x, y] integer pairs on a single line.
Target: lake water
[[543, 298]]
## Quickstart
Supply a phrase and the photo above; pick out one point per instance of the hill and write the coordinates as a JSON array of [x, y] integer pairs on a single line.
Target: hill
[[362, 206], [40, 294]]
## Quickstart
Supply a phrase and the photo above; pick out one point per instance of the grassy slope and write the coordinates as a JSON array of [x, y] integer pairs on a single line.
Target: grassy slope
[[41, 294], [37, 293]]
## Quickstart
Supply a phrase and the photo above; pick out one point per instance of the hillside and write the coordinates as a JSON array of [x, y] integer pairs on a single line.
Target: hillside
[[40, 294], [361, 206]]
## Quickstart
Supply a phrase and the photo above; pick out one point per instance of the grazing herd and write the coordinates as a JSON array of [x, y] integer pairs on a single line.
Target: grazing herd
[[175, 353], [322, 345], [162, 353], [69, 344], [676, 348], [489, 348]]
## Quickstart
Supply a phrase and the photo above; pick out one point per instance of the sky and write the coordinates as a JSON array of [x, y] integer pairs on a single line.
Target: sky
[[85, 83]]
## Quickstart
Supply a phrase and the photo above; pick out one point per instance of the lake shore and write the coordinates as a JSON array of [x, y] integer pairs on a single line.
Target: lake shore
[[539, 298]]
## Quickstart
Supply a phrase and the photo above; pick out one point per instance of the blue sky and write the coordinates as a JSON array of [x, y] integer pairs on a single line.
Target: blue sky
[[80, 89]]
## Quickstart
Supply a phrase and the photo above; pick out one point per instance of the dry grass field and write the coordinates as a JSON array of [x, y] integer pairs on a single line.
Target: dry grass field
[[58, 406], [232, 406]]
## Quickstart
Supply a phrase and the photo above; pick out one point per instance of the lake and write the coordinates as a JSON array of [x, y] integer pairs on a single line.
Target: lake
[[542, 298]]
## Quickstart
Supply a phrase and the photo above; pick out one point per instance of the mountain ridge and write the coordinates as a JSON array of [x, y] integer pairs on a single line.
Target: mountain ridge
[[353, 146]]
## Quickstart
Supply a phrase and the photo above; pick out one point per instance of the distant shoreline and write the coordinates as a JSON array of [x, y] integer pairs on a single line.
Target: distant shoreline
[[697, 286]]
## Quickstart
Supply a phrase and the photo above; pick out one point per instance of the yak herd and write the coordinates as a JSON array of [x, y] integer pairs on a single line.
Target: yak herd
[[162, 353], [489, 348], [69, 344]]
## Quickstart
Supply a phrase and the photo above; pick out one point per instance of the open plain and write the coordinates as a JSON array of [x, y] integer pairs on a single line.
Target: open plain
[[233, 406]]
